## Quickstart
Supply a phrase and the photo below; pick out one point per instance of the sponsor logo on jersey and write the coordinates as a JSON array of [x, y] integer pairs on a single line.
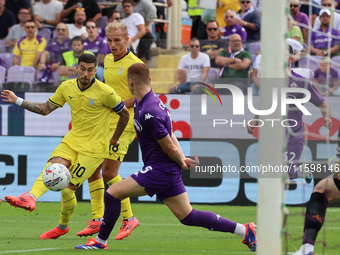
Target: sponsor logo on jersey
[[148, 116], [137, 125]]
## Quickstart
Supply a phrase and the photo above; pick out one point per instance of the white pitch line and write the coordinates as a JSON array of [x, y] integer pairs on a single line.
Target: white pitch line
[[21, 251]]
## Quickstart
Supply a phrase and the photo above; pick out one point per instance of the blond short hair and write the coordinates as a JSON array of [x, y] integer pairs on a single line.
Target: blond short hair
[[115, 26]]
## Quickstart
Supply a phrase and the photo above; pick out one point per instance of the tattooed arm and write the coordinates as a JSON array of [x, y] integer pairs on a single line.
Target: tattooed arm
[[40, 108], [122, 122]]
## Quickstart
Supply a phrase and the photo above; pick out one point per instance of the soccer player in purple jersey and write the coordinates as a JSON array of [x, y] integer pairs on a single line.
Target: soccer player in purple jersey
[[161, 175], [294, 134]]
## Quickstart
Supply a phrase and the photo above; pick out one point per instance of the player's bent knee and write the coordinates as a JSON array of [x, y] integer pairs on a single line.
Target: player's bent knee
[[108, 175], [72, 187]]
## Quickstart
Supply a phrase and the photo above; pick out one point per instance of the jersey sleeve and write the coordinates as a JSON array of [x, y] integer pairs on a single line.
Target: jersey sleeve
[[156, 127], [58, 98], [316, 97], [16, 50], [112, 100], [206, 60], [42, 45]]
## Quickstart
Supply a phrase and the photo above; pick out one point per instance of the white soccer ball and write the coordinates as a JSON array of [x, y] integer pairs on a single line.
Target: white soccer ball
[[56, 177]]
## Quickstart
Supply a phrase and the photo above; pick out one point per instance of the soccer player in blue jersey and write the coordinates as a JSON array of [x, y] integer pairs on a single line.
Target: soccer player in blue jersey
[[161, 175]]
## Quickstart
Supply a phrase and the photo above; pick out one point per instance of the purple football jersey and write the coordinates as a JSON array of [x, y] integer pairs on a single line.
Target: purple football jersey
[[152, 122], [300, 19], [294, 112], [236, 29], [56, 49], [98, 46], [320, 39], [321, 77]]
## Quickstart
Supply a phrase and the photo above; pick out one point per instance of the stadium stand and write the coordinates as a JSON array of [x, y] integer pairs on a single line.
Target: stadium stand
[[20, 78], [2, 76], [7, 58]]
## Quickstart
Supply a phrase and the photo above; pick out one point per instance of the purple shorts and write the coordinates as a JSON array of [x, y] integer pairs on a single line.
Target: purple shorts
[[163, 184]]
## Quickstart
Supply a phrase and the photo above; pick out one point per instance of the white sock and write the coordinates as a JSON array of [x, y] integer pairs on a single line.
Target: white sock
[[30, 194], [306, 248], [104, 242], [240, 230]]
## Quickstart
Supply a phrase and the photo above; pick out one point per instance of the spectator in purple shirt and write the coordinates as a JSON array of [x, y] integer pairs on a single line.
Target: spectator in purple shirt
[[337, 4], [97, 45], [301, 19], [52, 55], [326, 87], [322, 43], [232, 27]]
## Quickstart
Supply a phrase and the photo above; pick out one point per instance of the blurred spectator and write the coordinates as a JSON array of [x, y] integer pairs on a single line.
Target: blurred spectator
[[159, 27], [52, 55], [304, 7], [18, 30], [326, 87], [223, 6], [134, 22], [258, 6], [7, 19], [337, 4], [47, 13], [149, 13], [97, 45], [15, 6], [193, 67], [335, 17], [78, 28], [255, 73], [112, 16], [90, 7], [232, 27], [67, 68], [214, 44], [325, 40], [195, 14], [235, 62], [301, 19], [250, 19], [30, 47], [294, 32]]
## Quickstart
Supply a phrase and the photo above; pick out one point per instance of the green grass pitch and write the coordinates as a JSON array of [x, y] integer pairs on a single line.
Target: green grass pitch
[[159, 231]]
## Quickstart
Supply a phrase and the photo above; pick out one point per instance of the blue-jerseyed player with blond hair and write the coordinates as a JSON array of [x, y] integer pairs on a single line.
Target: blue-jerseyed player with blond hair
[[84, 148], [161, 175]]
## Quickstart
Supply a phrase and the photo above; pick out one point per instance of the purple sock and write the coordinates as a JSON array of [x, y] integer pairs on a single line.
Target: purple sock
[[293, 173], [209, 220], [111, 214]]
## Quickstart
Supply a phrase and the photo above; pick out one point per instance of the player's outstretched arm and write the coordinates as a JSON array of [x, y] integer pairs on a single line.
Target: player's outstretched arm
[[326, 114], [122, 122], [40, 108], [173, 151]]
